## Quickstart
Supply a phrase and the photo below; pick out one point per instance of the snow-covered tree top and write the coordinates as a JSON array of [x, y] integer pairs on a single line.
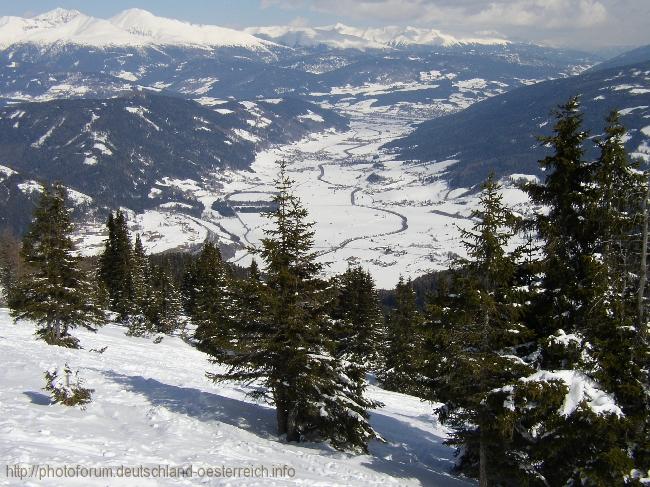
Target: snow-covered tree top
[[581, 390]]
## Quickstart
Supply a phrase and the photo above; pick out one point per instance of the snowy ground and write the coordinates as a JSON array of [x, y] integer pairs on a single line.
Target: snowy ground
[[153, 406]]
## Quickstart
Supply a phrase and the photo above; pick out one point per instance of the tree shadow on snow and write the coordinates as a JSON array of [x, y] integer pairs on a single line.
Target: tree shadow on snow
[[38, 398], [205, 406], [411, 452]]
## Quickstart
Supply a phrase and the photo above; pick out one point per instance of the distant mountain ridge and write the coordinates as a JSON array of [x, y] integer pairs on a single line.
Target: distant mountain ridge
[[67, 54], [425, 76], [138, 27], [128, 151], [633, 56], [342, 36], [500, 134]]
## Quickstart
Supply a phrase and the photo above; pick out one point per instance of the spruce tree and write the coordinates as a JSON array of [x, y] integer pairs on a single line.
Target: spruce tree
[[10, 264], [140, 321], [287, 348], [618, 345], [140, 274], [53, 291], [611, 328], [254, 273], [251, 305], [567, 195], [402, 342], [357, 326], [188, 287], [583, 313], [115, 266], [642, 434], [213, 309], [473, 331], [166, 305], [358, 317]]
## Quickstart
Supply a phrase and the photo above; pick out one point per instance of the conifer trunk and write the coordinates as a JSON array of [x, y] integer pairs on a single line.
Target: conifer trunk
[[280, 414], [482, 452], [292, 426], [643, 271], [482, 458], [281, 418], [57, 329]]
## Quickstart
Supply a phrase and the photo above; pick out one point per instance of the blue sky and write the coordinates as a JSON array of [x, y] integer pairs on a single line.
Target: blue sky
[[232, 13], [564, 23]]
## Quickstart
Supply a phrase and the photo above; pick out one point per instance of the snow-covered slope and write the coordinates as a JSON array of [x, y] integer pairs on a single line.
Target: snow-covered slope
[[123, 151], [154, 406], [499, 134], [159, 30], [343, 37], [132, 27]]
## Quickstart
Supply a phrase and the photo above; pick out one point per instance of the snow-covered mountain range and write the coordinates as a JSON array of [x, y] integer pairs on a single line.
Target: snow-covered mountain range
[[342, 36], [137, 27], [133, 27], [65, 53]]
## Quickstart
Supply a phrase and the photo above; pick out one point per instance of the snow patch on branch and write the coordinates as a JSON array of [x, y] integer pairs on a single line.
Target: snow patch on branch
[[581, 390]]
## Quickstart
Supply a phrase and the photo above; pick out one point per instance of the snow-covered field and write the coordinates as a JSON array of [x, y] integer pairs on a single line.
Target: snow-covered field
[[154, 406], [392, 218]]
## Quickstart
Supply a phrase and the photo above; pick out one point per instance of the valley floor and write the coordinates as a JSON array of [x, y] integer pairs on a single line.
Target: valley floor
[[393, 218], [154, 406]]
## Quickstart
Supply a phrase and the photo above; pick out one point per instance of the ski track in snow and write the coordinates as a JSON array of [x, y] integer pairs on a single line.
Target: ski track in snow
[[153, 405]]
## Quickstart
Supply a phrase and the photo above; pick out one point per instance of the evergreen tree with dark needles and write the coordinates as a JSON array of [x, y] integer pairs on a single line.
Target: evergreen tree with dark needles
[[286, 347], [53, 290]]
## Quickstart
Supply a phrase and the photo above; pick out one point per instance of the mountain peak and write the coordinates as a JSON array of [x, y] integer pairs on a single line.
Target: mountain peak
[[133, 15], [164, 30], [137, 11], [58, 16], [133, 27]]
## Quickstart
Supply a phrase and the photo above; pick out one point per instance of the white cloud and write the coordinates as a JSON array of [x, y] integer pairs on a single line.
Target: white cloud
[[549, 14]]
